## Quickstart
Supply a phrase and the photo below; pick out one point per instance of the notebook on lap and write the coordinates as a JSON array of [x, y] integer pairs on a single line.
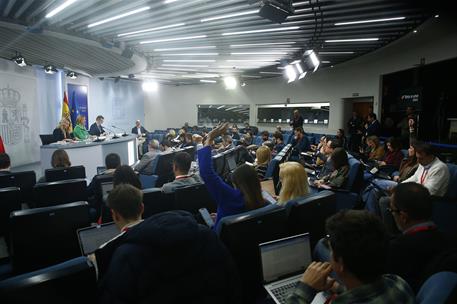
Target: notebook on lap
[[283, 263]]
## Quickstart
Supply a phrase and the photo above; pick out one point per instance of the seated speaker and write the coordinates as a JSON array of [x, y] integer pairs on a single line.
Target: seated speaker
[[276, 10]]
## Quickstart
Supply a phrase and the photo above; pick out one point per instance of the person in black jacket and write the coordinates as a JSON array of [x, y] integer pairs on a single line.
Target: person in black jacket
[[297, 120], [138, 129], [96, 128], [169, 258], [62, 132], [420, 242]]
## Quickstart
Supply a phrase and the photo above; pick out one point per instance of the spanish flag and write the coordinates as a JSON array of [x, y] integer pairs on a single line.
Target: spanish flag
[[66, 110]]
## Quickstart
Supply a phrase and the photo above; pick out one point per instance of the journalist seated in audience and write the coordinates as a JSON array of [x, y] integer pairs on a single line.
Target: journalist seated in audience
[[125, 175], [247, 139], [341, 137], [181, 167], [374, 149], [413, 254], [167, 258], [5, 164], [294, 182], [278, 141], [265, 135], [166, 146], [393, 156], [80, 132], [62, 132], [226, 144], [188, 141], [59, 159], [145, 164], [432, 173], [338, 177], [245, 194], [358, 243], [328, 166], [170, 135], [279, 129], [300, 143], [198, 140], [263, 157], [112, 162], [235, 133]]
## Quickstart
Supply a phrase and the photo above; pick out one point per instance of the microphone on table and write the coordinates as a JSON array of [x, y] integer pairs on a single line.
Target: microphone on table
[[125, 132], [110, 130]]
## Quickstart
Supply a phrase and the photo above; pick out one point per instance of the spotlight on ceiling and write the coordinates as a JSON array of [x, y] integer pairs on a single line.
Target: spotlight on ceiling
[[230, 82], [50, 69], [243, 84], [19, 60], [290, 73], [150, 86], [308, 63], [72, 75]]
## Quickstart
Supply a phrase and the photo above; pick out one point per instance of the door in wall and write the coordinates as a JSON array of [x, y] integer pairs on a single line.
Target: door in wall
[[362, 108]]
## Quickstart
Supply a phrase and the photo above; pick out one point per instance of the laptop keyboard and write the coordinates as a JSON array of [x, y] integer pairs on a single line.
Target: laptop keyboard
[[283, 291]]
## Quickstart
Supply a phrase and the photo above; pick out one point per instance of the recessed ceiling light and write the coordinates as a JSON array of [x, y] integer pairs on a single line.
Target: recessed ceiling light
[[259, 44], [207, 81], [139, 10], [189, 60], [276, 29], [253, 60], [270, 73], [173, 39], [72, 75], [169, 1], [335, 53], [300, 3], [370, 21], [230, 82], [260, 53], [19, 60], [192, 54], [185, 48], [437, 16], [152, 29], [150, 86], [353, 40], [325, 61], [60, 8], [415, 31], [50, 69], [185, 65], [229, 15]]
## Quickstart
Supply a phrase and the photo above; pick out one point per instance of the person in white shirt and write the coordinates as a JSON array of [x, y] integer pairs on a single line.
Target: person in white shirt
[[432, 173]]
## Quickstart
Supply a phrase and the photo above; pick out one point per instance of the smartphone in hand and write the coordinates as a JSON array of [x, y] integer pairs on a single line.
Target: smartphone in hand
[[206, 217]]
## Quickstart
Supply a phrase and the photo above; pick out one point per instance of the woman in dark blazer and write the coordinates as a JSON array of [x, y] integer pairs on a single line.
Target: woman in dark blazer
[[62, 132]]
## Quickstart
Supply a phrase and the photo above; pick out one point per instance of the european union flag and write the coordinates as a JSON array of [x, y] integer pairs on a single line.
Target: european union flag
[[73, 109]]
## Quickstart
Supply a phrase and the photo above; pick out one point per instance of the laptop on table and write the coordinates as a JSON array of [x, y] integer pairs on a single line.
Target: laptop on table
[[283, 263]]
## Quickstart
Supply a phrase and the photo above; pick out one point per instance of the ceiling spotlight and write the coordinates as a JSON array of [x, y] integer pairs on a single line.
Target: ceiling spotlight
[[415, 31], [243, 84], [230, 82], [290, 73], [72, 75], [19, 60], [437, 16], [150, 86], [49, 69]]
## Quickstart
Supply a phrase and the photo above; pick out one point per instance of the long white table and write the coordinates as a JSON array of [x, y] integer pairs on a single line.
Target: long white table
[[92, 154]]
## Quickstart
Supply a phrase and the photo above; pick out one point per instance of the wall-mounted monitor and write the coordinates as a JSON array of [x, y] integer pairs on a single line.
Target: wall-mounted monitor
[[313, 113], [216, 113]]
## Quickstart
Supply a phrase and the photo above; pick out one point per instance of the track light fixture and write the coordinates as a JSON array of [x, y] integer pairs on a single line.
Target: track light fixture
[[50, 69], [308, 63], [72, 75], [19, 60]]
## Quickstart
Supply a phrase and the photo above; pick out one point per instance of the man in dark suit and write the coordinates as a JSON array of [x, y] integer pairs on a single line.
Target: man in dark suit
[[412, 253], [138, 129], [96, 128], [297, 120], [372, 127]]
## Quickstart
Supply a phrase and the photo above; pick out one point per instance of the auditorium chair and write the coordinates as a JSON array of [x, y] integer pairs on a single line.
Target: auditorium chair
[[309, 213], [58, 174], [25, 181], [47, 139], [10, 200], [100, 184], [192, 198], [164, 169], [42, 237], [70, 282], [445, 208], [439, 288], [155, 201], [61, 192], [348, 196], [242, 233]]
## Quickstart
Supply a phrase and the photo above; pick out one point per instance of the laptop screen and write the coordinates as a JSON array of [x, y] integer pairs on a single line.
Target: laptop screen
[[283, 257], [231, 162], [106, 188], [93, 237]]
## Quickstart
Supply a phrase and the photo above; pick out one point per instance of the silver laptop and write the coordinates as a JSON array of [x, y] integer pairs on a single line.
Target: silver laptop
[[91, 238], [283, 264]]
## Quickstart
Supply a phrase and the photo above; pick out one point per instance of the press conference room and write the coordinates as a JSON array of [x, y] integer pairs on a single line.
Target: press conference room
[[228, 151]]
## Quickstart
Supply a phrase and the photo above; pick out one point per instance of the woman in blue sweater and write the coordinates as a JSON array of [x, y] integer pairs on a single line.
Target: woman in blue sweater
[[246, 193]]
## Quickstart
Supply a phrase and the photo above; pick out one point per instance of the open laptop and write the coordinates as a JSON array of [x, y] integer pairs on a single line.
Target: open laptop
[[283, 264], [231, 162], [93, 237]]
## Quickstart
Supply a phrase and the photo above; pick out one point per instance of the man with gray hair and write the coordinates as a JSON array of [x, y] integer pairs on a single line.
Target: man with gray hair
[[145, 164]]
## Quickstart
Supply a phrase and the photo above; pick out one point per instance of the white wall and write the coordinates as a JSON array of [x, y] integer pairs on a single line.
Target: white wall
[[435, 41]]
